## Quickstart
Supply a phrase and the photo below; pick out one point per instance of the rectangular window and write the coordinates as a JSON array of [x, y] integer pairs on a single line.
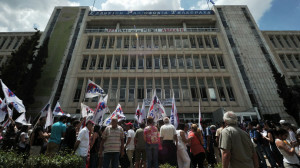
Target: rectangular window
[[140, 91], [124, 62], [78, 90], [163, 41], [132, 61], [119, 42], [123, 89], [180, 62], [111, 42], [213, 62], [158, 87], [185, 89], [297, 58], [229, 89], [167, 88], [165, 62], [93, 63], [221, 62], [202, 88], [126, 42], [194, 89], [200, 42], [104, 42], [157, 62], [141, 61], [176, 89], [101, 62], [141, 41], [117, 62], [185, 42], [204, 61], [149, 62], [97, 43], [108, 61], [273, 41], [133, 41], [17, 43], [156, 41], [287, 41], [178, 42], [148, 42], [114, 89], [291, 60], [193, 41], [149, 87], [215, 41], [207, 41], [189, 62], [131, 90], [220, 89], [84, 62], [196, 61], [294, 42], [89, 43], [171, 41], [3, 42], [283, 61], [211, 89], [279, 40], [105, 84], [173, 61]]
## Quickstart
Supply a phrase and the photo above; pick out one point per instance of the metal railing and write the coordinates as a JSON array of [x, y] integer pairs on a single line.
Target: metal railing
[[145, 30]]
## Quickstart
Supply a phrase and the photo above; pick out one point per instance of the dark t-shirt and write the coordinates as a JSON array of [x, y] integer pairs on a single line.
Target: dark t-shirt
[[70, 137], [38, 141]]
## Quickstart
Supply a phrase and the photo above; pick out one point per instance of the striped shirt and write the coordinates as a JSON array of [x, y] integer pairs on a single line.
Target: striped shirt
[[112, 139]]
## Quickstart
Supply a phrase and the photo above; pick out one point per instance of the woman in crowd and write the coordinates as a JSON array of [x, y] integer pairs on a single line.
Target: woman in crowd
[[95, 145], [197, 150], [183, 158], [151, 137], [290, 159]]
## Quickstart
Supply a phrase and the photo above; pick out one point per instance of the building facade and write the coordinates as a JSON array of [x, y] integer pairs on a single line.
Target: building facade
[[218, 57]]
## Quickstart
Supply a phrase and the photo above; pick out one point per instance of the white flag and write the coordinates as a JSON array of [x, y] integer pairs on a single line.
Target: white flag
[[143, 113], [6, 123], [2, 112], [101, 109], [199, 123], [44, 111], [85, 110], [93, 90], [49, 119], [137, 113], [174, 116], [22, 119], [57, 110], [156, 109], [117, 113], [12, 98]]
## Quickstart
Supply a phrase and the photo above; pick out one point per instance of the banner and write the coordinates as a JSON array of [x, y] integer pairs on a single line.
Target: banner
[[93, 90], [12, 98], [156, 109], [101, 109], [174, 116], [143, 113], [49, 119], [200, 119]]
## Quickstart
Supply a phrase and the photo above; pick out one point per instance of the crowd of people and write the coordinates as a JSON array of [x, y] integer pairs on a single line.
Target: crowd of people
[[128, 144]]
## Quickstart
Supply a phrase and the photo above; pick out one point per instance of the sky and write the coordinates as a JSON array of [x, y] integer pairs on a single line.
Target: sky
[[25, 15]]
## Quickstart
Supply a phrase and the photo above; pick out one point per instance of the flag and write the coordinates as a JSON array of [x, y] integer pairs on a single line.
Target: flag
[[57, 110], [22, 119], [49, 118], [117, 113], [137, 113], [143, 113], [93, 90], [12, 98], [211, 1], [101, 109], [4, 109], [174, 116], [29, 120], [44, 111], [2, 112], [6, 123], [200, 119], [156, 109], [85, 110]]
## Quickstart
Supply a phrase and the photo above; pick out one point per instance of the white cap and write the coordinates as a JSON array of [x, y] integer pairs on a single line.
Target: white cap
[[282, 121]]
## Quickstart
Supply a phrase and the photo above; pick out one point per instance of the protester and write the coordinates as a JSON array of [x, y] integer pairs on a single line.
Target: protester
[[168, 137], [23, 139], [151, 137], [38, 137], [129, 146], [237, 148], [95, 145], [266, 145], [140, 151], [112, 144], [70, 136], [9, 137], [290, 159], [58, 131], [196, 147], [183, 158], [297, 146], [82, 144], [216, 149]]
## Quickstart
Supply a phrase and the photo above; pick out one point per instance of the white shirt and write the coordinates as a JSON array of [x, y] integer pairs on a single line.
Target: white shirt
[[130, 134], [84, 139], [167, 131], [181, 145]]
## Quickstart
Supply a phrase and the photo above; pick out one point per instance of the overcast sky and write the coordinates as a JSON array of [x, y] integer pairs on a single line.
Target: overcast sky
[[24, 15]]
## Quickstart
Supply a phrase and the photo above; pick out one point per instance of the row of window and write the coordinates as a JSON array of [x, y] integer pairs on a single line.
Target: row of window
[[295, 80], [290, 61], [184, 89], [285, 41], [188, 61], [7, 42], [152, 42]]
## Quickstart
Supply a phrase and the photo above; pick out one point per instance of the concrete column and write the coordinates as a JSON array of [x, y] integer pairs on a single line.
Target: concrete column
[[184, 26], [118, 26]]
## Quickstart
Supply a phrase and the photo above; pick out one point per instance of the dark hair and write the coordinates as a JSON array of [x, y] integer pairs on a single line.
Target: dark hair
[[150, 120], [96, 128], [142, 125], [41, 118], [24, 128], [74, 123], [180, 126], [281, 131], [62, 118]]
